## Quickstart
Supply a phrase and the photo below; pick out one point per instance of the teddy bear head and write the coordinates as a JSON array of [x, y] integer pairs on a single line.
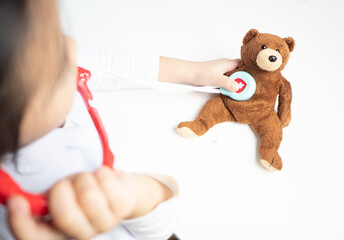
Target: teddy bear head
[[265, 52]]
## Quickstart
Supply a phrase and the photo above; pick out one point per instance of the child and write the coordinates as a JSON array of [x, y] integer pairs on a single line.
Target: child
[[48, 142]]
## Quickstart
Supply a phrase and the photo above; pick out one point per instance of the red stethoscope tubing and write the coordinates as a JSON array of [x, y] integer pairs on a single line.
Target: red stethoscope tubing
[[83, 76], [38, 203]]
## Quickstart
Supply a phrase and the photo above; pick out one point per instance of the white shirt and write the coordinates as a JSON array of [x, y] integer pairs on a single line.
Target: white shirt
[[76, 147]]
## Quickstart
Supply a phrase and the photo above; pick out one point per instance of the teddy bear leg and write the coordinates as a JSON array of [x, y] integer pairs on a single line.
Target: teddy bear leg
[[269, 130], [212, 113]]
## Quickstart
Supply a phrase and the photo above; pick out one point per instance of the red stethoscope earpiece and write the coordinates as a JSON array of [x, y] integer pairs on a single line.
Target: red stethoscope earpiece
[[38, 203]]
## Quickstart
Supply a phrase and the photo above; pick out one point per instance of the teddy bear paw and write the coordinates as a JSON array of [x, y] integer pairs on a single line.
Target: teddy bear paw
[[268, 165], [272, 163], [186, 132]]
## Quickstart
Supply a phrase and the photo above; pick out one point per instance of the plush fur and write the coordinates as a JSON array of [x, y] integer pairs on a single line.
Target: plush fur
[[258, 111]]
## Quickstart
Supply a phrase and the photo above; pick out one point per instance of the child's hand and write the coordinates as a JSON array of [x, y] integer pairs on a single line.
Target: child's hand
[[87, 204], [209, 73]]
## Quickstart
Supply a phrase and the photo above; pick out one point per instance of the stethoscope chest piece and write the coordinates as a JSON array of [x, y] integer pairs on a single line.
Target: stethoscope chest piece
[[247, 86]]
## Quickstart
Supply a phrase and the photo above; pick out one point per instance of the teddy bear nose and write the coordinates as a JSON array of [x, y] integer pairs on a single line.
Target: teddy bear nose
[[272, 59]]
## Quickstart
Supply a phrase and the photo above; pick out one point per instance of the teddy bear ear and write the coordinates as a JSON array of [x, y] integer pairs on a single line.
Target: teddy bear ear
[[249, 35], [291, 43]]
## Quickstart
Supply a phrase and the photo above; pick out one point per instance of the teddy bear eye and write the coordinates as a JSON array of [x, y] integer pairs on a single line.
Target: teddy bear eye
[[263, 47], [277, 50]]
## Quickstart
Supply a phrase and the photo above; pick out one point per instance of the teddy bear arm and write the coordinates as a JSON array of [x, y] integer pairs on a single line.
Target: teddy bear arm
[[284, 102]]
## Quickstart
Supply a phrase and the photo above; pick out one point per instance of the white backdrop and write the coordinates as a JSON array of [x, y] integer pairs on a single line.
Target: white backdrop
[[225, 193]]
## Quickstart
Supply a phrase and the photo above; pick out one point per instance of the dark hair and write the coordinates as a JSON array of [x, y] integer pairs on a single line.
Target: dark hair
[[13, 94]]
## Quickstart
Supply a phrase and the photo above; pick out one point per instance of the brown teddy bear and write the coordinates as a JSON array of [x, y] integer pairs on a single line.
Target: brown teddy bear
[[263, 56]]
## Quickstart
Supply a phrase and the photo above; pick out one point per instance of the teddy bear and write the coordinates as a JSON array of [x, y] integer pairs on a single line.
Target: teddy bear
[[263, 56]]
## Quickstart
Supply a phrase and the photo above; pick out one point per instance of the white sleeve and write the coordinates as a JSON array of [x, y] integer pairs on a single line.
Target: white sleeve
[[5, 232], [119, 68], [161, 222]]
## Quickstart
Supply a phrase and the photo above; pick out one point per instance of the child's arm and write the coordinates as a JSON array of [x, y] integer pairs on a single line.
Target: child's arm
[[88, 204], [198, 73], [121, 68]]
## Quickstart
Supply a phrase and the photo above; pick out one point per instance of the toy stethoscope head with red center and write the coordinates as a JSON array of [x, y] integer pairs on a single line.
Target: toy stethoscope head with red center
[[38, 203], [247, 86]]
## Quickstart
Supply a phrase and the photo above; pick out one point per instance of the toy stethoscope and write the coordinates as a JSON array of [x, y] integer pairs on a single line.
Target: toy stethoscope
[[38, 202]]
